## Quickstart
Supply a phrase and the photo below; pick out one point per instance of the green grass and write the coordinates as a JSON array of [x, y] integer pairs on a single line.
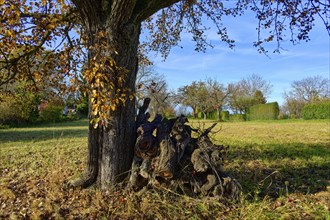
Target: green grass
[[283, 167]]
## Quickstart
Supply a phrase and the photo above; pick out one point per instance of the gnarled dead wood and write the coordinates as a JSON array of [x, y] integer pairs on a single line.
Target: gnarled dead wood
[[174, 159]]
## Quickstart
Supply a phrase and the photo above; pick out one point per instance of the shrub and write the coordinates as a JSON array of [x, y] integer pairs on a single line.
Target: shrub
[[269, 111], [237, 117], [52, 113], [319, 110], [82, 109], [17, 109], [282, 116]]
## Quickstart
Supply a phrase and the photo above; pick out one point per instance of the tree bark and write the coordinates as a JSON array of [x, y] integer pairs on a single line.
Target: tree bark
[[111, 145], [116, 150]]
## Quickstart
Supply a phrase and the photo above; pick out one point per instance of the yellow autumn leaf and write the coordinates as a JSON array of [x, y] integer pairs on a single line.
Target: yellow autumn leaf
[[50, 26], [9, 33]]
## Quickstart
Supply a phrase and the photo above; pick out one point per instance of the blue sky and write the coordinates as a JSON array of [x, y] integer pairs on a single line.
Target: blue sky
[[295, 62]]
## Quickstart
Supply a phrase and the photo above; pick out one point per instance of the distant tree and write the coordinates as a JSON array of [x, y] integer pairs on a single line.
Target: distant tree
[[218, 94], [145, 79], [197, 96], [308, 90], [161, 98], [247, 92], [293, 106], [153, 85], [187, 95], [253, 83], [204, 96]]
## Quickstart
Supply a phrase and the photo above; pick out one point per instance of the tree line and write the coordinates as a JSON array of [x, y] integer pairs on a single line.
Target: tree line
[[211, 96], [19, 105]]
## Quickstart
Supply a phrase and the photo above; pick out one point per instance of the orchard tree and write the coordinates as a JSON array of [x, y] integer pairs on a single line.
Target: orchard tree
[[218, 94], [107, 39], [196, 96], [187, 95], [203, 96]]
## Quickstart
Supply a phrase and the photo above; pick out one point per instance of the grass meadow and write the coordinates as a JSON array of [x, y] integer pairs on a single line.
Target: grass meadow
[[283, 167]]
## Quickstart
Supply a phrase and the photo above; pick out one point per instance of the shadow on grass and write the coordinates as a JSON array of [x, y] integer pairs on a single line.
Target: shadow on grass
[[45, 132], [81, 122], [280, 151], [278, 170]]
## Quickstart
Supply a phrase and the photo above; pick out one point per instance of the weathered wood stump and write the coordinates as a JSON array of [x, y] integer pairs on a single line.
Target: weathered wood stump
[[166, 155]]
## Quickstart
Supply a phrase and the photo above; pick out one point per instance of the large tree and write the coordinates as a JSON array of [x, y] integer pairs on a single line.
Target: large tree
[[109, 30]]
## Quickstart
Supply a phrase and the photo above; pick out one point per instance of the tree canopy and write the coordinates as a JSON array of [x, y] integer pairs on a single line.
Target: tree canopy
[[29, 27]]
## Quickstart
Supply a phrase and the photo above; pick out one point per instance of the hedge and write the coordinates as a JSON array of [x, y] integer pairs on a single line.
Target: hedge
[[316, 111], [268, 111]]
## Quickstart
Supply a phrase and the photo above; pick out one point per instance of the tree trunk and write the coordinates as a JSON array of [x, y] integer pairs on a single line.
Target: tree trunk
[[118, 24], [111, 147], [219, 109], [204, 114], [117, 140], [194, 112]]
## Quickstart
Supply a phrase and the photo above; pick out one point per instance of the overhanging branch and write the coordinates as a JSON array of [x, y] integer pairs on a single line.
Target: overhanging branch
[[145, 8]]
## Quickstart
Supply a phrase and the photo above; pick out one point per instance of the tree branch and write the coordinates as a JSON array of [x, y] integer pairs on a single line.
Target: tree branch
[[145, 8]]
